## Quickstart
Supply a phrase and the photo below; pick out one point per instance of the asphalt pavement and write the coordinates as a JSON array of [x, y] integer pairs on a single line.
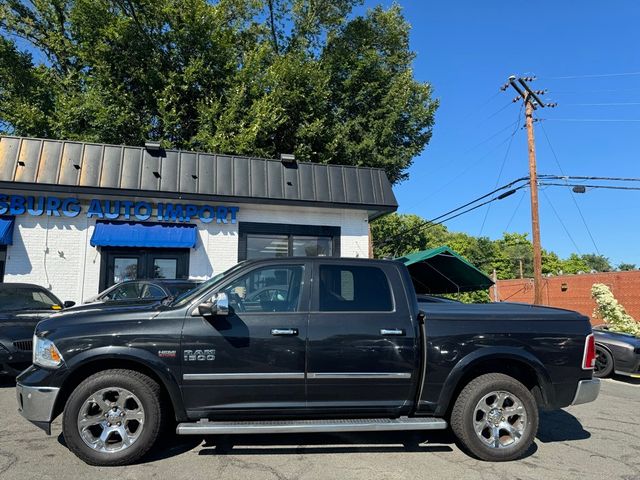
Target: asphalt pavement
[[592, 441]]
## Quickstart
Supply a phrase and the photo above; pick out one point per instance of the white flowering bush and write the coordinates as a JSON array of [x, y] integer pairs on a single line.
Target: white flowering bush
[[613, 314]]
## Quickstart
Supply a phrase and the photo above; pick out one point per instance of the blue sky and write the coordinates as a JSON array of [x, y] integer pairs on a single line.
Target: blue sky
[[467, 50]]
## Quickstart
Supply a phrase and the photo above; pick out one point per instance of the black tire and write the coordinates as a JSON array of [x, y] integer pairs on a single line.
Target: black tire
[[464, 415], [150, 396], [604, 362]]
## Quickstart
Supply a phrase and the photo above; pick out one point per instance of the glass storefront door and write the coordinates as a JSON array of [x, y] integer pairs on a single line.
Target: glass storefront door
[[120, 264]]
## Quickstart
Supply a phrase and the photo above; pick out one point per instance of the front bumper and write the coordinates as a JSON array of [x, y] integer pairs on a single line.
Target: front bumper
[[587, 391], [36, 404]]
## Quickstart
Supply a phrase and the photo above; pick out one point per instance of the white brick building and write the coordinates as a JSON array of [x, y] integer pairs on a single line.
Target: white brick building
[[64, 206]]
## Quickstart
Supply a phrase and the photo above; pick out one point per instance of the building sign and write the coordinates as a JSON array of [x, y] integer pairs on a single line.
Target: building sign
[[116, 209]]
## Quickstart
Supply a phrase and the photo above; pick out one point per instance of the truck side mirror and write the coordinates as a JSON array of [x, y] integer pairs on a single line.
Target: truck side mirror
[[219, 305], [68, 304]]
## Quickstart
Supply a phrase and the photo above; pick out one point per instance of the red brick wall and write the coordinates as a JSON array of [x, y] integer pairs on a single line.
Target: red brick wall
[[577, 295]]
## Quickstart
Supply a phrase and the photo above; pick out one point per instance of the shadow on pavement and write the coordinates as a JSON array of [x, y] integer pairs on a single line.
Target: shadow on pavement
[[7, 381], [626, 379], [560, 426], [167, 447]]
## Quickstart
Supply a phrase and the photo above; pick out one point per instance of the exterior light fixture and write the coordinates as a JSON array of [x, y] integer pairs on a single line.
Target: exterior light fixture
[[152, 146], [288, 159]]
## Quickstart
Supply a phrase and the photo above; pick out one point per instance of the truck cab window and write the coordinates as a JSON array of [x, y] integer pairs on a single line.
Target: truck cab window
[[269, 289], [354, 289]]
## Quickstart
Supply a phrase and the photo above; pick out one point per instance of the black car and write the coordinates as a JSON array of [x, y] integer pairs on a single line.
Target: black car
[[616, 353], [22, 306], [136, 290]]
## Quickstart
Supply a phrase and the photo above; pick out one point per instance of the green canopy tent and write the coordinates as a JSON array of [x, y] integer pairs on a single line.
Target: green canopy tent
[[441, 270]]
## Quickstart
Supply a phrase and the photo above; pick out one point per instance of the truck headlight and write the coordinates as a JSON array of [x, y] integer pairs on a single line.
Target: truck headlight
[[45, 353]]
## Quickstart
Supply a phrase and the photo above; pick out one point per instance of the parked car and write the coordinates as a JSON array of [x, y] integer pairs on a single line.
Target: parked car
[[151, 290], [22, 306], [349, 351], [616, 353]]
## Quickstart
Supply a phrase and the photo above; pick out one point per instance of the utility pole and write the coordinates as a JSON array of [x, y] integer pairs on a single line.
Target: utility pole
[[494, 277], [531, 102], [521, 268]]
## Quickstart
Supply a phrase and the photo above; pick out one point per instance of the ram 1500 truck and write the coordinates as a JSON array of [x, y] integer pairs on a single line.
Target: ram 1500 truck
[[304, 345]]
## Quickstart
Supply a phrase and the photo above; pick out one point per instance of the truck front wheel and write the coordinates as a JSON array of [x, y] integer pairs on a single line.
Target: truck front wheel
[[113, 417], [495, 417]]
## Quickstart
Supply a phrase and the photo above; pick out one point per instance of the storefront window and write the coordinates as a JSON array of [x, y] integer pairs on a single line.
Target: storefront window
[[312, 246], [267, 246], [120, 264], [269, 240], [125, 269], [165, 268]]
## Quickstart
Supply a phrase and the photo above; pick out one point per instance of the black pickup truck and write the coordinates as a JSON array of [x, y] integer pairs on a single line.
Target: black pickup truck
[[304, 345]]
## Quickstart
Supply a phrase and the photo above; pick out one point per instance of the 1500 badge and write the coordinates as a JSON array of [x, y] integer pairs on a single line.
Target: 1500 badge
[[199, 355]]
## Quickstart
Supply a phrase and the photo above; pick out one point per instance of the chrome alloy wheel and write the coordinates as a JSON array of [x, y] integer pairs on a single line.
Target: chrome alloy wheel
[[111, 420], [500, 419]]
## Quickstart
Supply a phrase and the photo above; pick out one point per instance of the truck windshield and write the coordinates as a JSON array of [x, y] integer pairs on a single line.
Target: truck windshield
[[189, 295]]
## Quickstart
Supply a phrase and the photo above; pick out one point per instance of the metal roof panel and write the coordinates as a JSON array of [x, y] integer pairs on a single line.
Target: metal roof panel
[[42, 164]]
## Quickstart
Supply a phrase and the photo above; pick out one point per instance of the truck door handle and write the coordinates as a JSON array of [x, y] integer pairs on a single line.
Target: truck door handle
[[391, 331], [277, 332]]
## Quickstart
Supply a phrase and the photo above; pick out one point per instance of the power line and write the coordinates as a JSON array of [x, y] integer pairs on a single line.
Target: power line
[[469, 167], [566, 230], [497, 112], [610, 187], [597, 75], [499, 197], [513, 215], [632, 120], [493, 136], [607, 104], [577, 177], [504, 161], [575, 202], [587, 92], [432, 222]]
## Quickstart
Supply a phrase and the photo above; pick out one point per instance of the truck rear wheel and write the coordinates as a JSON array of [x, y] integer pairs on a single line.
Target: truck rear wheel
[[113, 417], [495, 417]]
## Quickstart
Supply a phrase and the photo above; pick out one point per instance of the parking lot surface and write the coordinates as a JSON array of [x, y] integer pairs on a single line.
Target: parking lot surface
[[597, 440]]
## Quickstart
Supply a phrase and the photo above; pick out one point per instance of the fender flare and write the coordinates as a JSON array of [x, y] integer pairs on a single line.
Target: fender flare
[[141, 357], [498, 353]]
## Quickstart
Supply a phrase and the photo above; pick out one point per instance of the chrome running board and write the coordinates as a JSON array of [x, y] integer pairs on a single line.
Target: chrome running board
[[206, 427]]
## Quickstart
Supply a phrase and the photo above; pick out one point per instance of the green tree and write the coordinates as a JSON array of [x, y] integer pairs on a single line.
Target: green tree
[[396, 235], [599, 263], [252, 77], [625, 267], [551, 263], [575, 264]]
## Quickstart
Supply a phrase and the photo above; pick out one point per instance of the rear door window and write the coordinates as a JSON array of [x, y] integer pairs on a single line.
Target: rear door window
[[353, 288]]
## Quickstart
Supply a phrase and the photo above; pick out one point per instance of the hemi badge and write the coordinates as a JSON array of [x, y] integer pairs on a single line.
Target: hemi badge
[[167, 353]]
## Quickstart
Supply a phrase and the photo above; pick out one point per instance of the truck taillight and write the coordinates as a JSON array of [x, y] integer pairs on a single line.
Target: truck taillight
[[589, 358]]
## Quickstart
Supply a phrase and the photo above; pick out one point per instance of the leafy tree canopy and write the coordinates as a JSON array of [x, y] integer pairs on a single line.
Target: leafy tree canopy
[[625, 267], [251, 77], [397, 234]]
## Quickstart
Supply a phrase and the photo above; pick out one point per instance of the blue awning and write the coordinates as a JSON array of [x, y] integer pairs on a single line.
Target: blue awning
[[6, 230], [156, 235]]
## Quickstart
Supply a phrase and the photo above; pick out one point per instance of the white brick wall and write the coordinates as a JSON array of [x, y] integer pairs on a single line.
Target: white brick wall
[[54, 251]]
